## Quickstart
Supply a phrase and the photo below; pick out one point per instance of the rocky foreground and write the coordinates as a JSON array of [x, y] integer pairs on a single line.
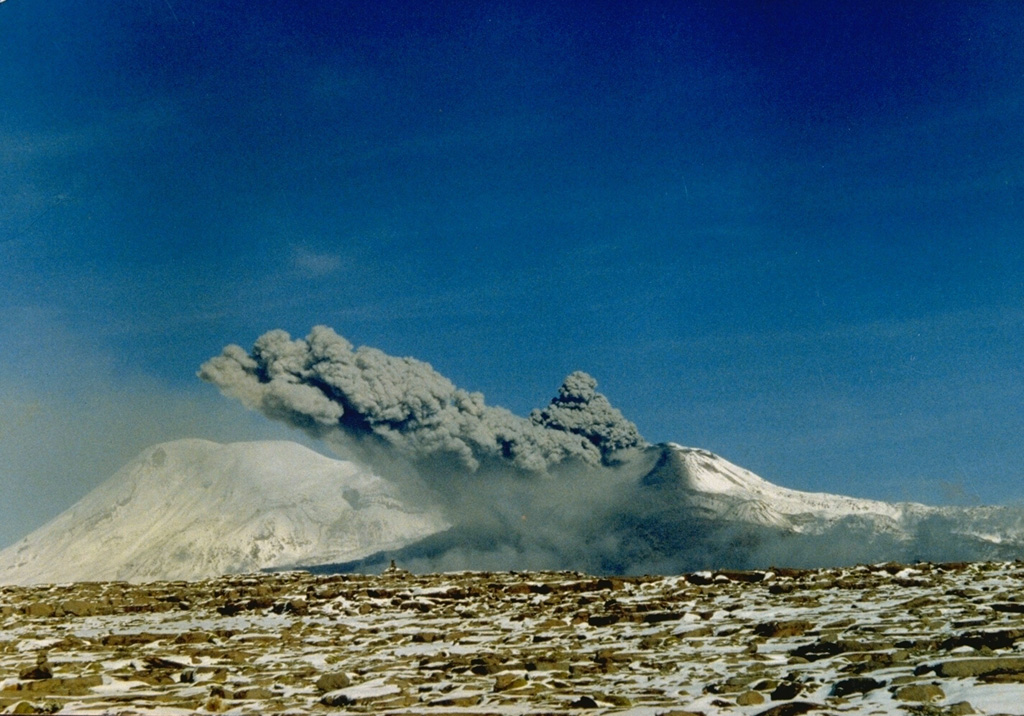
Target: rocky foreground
[[928, 639]]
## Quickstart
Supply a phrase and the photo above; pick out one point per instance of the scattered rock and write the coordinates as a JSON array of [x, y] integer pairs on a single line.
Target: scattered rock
[[42, 670], [458, 700], [39, 610], [333, 681], [783, 629], [371, 692], [81, 607], [254, 693], [159, 662], [992, 639], [749, 698], [785, 691], [793, 708], [477, 643], [962, 668], [921, 693], [507, 681], [856, 685], [819, 650], [73, 686]]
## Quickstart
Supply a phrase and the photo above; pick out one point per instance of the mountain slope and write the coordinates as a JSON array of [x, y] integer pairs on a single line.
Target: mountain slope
[[784, 526], [685, 508], [192, 508]]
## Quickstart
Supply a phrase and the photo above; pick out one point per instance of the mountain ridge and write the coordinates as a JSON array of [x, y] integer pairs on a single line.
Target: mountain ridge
[[191, 509]]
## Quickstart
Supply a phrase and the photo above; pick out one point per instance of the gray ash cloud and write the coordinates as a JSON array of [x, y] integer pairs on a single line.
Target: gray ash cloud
[[572, 486], [326, 387]]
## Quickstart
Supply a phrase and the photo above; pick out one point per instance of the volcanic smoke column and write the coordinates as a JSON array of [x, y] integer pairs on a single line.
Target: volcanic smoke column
[[332, 391]]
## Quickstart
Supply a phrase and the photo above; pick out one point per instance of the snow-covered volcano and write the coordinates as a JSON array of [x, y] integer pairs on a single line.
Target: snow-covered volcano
[[672, 509], [193, 508], [753, 522]]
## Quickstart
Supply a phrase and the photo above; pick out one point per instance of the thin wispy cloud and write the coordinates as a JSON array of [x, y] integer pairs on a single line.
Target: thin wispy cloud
[[315, 264]]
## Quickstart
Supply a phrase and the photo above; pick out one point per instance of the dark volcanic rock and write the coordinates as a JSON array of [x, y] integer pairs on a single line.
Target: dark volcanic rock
[[990, 639], [785, 691], [793, 708], [856, 685], [783, 629]]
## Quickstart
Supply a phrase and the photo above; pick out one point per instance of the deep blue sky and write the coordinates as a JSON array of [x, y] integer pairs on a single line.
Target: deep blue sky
[[788, 232]]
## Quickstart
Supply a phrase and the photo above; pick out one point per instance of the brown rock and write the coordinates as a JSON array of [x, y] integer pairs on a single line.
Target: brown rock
[[36, 673], [547, 665], [130, 639], [292, 606], [697, 633], [426, 637], [458, 700], [192, 637], [749, 698], [921, 693], [159, 662], [39, 609], [333, 681], [74, 686], [783, 629], [621, 702], [962, 668], [507, 681], [254, 693]]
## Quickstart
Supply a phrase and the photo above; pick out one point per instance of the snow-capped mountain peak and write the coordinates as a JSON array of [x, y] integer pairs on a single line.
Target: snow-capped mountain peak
[[194, 508]]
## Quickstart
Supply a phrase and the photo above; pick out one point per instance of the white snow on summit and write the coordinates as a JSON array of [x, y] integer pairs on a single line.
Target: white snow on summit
[[192, 509], [836, 529], [708, 473]]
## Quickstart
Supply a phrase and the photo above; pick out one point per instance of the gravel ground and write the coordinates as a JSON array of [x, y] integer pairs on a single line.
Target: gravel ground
[[882, 639]]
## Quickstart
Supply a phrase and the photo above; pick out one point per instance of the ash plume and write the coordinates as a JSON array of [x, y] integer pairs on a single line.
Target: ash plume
[[363, 396], [572, 486]]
